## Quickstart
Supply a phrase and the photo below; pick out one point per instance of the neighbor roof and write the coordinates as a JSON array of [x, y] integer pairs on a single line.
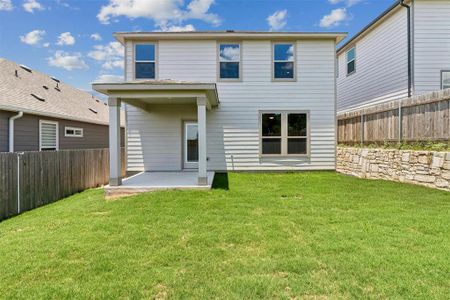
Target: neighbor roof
[[36, 93], [224, 34]]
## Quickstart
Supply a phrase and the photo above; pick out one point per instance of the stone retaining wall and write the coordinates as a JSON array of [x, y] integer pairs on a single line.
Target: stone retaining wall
[[427, 168]]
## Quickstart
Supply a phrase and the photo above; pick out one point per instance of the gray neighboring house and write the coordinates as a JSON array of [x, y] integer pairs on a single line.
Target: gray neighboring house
[[39, 112], [373, 65]]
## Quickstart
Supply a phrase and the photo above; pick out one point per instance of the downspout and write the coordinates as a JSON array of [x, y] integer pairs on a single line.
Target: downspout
[[402, 3], [11, 130]]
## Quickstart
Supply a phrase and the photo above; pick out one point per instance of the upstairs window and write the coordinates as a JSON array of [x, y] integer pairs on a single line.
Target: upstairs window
[[284, 133], [283, 61], [445, 80], [229, 61], [145, 61], [48, 135], [351, 61]]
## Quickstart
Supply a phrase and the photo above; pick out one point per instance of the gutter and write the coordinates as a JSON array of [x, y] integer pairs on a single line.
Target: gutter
[[11, 129], [402, 3]]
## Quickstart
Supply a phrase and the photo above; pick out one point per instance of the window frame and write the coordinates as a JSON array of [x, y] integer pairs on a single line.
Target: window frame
[[347, 61], [154, 43], [442, 78], [284, 133], [41, 121], [273, 61], [74, 129], [239, 79]]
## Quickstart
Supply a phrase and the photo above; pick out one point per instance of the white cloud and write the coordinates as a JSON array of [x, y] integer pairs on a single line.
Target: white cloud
[[46, 45], [277, 20], [6, 5], [334, 18], [33, 37], [230, 53], [348, 3], [96, 37], [67, 61], [164, 13], [175, 28], [66, 38], [109, 78], [111, 55], [32, 5]]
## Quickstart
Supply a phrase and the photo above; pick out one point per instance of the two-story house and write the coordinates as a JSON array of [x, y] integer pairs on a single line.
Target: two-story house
[[404, 52], [225, 100]]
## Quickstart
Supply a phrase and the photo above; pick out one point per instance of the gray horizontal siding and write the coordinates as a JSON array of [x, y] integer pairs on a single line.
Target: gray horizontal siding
[[381, 65], [26, 133]]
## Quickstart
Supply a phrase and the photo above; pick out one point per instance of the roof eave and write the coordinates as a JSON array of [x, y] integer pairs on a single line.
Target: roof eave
[[122, 36], [368, 27]]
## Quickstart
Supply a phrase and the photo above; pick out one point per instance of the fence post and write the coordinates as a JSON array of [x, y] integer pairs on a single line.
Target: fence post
[[362, 128], [400, 123], [18, 183]]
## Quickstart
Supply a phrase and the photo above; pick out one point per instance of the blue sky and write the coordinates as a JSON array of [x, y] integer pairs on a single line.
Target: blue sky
[[72, 40]]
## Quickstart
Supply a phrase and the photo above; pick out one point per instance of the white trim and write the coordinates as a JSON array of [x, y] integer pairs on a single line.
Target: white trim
[[294, 62], [40, 134], [74, 130]]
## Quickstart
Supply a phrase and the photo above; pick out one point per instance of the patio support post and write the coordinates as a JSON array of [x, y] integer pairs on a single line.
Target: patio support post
[[114, 142], [201, 121]]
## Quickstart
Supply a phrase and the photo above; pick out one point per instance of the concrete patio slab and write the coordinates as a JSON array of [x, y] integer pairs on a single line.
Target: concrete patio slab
[[157, 181]]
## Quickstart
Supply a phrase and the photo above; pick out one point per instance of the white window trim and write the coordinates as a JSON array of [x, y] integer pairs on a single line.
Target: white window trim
[[284, 133], [153, 61], [442, 78], [294, 78], [40, 131], [74, 129], [218, 61], [349, 61]]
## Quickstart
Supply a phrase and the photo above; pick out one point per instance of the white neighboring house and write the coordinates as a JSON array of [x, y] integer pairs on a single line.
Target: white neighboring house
[[373, 65], [225, 100]]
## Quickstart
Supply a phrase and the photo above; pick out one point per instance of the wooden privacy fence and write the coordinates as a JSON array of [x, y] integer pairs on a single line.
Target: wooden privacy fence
[[420, 118], [32, 179]]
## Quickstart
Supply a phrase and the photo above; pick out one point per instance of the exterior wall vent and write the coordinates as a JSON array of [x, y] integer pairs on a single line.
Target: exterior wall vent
[[26, 68], [57, 87], [55, 79], [93, 110], [38, 97], [45, 87]]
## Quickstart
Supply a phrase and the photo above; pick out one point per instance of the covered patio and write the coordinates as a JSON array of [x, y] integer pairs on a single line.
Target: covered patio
[[143, 95]]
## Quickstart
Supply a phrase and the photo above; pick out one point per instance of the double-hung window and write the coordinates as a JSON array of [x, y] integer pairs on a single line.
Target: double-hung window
[[445, 79], [351, 61], [145, 61], [283, 61], [229, 61], [284, 133], [48, 135]]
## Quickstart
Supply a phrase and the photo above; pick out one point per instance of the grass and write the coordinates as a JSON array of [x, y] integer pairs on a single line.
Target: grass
[[301, 235]]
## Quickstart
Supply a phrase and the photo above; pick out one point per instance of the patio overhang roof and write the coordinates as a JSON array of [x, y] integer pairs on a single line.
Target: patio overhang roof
[[144, 93]]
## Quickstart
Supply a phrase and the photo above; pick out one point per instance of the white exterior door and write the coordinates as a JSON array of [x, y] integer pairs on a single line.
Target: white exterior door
[[190, 145]]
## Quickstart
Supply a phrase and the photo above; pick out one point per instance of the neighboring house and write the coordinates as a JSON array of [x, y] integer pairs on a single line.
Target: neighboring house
[[373, 65], [226, 100], [38, 112]]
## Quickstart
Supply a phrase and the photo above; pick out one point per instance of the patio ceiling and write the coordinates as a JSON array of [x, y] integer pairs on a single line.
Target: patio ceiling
[[144, 93]]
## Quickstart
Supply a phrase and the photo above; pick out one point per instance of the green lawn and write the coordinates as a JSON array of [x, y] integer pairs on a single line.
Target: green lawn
[[305, 235]]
